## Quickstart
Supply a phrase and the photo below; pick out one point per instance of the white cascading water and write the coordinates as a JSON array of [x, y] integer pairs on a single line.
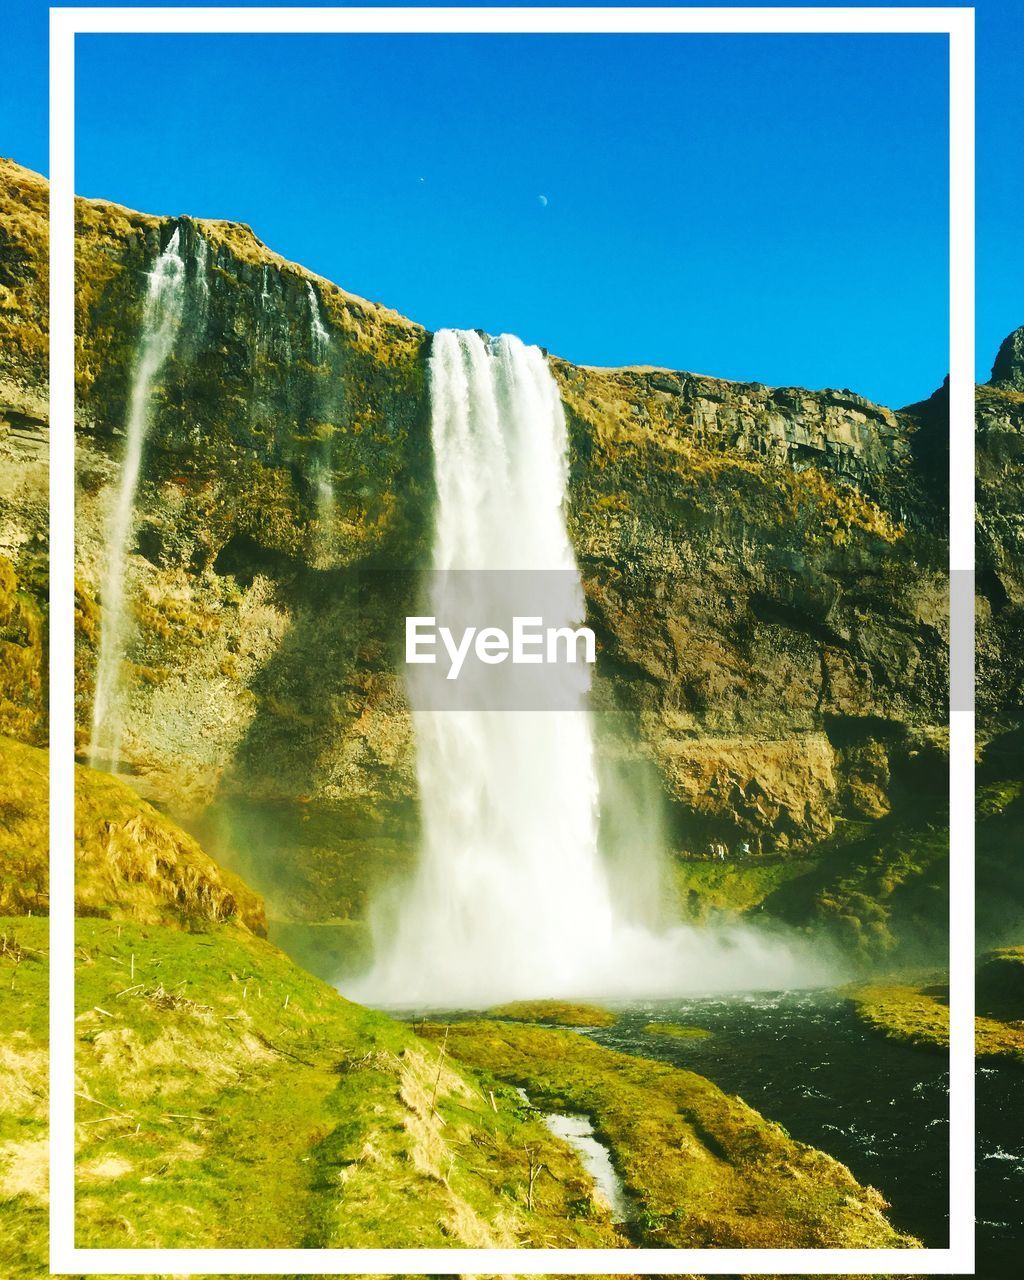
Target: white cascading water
[[511, 897], [323, 481], [318, 331], [201, 276], [326, 506], [161, 320]]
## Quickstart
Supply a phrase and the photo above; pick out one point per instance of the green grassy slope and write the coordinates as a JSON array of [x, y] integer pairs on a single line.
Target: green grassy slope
[[706, 1169], [341, 1124], [23, 1098], [228, 1099], [917, 1013]]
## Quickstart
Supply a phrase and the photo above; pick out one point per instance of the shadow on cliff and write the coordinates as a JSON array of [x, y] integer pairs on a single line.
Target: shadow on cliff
[[310, 793], [880, 888]]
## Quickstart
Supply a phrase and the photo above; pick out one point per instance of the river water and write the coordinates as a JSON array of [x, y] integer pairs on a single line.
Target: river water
[[805, 1060]]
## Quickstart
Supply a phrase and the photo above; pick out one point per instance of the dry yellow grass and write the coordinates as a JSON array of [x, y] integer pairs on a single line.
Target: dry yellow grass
[[131, 863], [22, 675]]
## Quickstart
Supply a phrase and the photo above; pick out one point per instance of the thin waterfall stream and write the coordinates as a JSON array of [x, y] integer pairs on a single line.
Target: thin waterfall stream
[[161, 319], [322, 468], [318, 330]]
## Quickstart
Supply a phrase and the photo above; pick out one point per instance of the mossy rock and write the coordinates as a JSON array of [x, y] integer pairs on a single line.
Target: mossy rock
[[676, 1031], [918, 1015], [879, 890], [22, 654], [554, 1013]]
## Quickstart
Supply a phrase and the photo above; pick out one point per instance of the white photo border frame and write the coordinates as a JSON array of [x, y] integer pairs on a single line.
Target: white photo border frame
[[65, 23]]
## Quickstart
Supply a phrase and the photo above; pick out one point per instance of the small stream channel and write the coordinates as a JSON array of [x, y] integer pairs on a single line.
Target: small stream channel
[[595, 1157]]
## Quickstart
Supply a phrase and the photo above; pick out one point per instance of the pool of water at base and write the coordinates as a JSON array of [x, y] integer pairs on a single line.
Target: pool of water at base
[[805, 1060]]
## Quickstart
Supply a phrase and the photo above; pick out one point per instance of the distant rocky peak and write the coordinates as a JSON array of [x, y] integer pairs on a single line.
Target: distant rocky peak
[[1008, 370]]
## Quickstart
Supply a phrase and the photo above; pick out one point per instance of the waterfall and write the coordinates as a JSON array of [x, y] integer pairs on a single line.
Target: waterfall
[[511, 897], [321, 338], [201, 277], [322, 469], [326, 507], [510, 883], [161, 320]]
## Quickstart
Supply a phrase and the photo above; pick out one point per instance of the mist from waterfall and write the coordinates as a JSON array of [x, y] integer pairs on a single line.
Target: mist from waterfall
[[161, 319], [512, 896]]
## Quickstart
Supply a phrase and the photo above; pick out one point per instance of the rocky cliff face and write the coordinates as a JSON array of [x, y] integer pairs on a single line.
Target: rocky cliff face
[[765, 568], [1000, 543], [767, 575]]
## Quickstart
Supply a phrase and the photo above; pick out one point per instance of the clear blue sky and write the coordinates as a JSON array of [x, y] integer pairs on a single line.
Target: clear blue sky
[[771, 208]]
